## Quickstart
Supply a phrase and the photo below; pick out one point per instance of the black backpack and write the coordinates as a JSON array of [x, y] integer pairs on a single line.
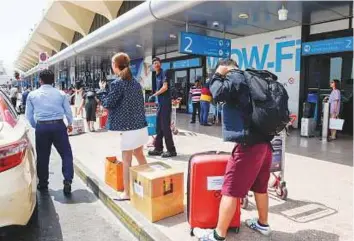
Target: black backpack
[[269, 98]]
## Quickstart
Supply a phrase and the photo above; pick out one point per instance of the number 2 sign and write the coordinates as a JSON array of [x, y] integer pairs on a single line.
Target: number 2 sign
[[191, 43]]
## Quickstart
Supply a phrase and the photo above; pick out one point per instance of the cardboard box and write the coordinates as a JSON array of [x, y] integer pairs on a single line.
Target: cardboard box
[[156, 190], [114, 173]]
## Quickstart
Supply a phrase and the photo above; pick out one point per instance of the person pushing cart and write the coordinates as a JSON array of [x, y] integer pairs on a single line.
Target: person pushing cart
[[163, 120]]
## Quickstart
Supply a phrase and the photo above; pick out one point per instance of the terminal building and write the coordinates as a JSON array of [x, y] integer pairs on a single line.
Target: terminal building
[[306, 44]]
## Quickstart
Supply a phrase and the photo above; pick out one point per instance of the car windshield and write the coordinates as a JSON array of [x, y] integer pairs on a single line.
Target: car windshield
[[7, 111]]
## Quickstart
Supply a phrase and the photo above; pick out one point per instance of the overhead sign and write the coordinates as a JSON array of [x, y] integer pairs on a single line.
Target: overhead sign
[[335, 45], [43, 57], [188, 63], [43, 60], [191, 43]]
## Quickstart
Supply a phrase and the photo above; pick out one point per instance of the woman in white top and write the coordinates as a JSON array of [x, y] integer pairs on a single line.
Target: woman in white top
[[79, 98]]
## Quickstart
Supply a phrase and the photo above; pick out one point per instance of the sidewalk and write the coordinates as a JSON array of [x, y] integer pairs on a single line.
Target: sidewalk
[[319, 205]]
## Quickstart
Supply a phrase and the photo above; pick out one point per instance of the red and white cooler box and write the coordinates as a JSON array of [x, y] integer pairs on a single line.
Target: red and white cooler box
[[78, 126]]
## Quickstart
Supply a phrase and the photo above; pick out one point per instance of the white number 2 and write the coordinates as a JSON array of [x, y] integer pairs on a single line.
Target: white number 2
[[187, 48], [349, 43]]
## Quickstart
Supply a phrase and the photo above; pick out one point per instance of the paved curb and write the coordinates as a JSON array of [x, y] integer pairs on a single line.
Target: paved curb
[[141, 228]]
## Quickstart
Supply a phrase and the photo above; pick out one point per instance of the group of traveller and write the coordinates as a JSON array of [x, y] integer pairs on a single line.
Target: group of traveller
[[14, 94], [248, 167], [201, 101]]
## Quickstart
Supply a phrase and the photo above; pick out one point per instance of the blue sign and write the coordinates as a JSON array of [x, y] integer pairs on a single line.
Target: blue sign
[[166, 66], [191, 43], [188, 63], [328, 46]]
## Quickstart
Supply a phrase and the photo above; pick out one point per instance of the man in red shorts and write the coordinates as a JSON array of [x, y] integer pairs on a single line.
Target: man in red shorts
[[249, 165]]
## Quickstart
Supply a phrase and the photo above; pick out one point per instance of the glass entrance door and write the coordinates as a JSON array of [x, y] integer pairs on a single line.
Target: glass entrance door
[[180, 85], [324, 68]]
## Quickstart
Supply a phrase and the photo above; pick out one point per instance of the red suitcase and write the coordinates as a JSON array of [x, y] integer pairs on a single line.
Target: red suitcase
[[205, 177]]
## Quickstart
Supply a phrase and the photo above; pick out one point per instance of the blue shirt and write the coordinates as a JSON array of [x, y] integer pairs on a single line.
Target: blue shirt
[[24, 97], [164, 98], [47, 103], [125, 104]]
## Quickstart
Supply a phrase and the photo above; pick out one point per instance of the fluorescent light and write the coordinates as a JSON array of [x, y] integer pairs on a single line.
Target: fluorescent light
[[173, 36], [138, 46], [243, 15]]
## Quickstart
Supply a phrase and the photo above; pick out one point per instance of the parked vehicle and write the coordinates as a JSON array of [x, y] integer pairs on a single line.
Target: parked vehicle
[[18, 180]]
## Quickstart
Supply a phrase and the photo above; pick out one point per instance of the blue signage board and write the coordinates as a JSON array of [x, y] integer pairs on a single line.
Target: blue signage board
[[335, 45], [191, 43], [166, 66], [188, 63]]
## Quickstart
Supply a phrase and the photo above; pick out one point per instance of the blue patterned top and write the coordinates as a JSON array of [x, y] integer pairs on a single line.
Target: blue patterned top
[[125, 104]]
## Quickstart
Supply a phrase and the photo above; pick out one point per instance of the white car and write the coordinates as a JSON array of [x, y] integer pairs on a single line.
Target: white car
[[18, 177]]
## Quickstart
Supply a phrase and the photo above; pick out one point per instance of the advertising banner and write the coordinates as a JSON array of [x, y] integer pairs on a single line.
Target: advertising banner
[[278, 52], [141, 71]]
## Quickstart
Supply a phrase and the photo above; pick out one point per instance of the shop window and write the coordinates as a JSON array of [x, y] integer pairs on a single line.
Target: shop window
[[330, 26], [63, 46], [127, 6], [77, 37], [98, 21], [336, 68]]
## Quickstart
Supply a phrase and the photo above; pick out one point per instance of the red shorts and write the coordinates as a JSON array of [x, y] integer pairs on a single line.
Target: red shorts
[[248, 169]]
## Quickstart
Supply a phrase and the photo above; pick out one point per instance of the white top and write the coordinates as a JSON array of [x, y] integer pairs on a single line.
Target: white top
[[13, 92], [78, 98]]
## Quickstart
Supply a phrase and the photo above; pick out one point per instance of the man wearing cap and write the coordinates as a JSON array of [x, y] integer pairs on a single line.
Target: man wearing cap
[[163, 125]]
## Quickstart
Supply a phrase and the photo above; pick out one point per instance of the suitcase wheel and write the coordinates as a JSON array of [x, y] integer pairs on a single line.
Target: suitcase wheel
[[244, 203], [192, 232], [236, 230]]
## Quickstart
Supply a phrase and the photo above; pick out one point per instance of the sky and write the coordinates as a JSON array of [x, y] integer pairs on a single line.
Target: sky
[[17, 17]]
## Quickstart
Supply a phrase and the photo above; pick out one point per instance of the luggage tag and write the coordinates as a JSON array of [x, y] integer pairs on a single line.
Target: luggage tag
[[138, 188]]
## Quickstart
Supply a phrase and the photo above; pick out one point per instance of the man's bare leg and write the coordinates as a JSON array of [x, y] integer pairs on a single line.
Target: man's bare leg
[[262, 201], [227, 211]]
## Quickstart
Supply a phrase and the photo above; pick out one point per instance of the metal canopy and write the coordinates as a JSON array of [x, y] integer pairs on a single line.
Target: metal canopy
[[262, 17]]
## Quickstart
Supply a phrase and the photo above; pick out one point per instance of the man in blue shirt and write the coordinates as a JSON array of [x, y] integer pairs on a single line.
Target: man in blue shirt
[[163, 122], [45, 110]]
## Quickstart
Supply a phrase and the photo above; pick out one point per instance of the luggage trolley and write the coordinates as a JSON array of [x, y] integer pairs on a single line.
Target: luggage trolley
[[150, 115], [276, 169]]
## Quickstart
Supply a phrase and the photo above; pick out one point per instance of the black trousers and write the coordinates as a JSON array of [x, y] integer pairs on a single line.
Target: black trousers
[[57, 135], [163, 129], [14, 101], [196, 108]]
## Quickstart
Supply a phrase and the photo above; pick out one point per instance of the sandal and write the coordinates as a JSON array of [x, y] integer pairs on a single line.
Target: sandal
[[122, 198]]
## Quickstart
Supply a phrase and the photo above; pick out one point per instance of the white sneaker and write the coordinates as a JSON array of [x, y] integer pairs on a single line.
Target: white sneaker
[[205, 234], [253, 224]]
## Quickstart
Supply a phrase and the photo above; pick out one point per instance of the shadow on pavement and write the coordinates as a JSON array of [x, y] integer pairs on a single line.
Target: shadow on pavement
[[295, 210], [339, 151], [45, 225], [302, 211], [304, 235], [77, 196]]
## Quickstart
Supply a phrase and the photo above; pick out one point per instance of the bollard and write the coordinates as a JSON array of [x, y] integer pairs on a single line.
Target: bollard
[[325, 121]]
